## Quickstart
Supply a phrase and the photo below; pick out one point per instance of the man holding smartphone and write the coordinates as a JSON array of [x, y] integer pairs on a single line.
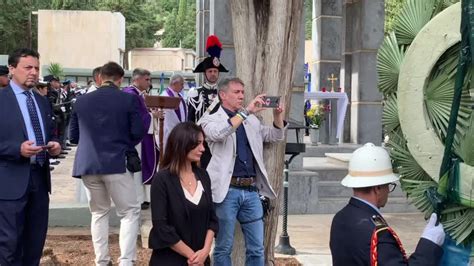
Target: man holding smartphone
[[26, 142], [237, 171]]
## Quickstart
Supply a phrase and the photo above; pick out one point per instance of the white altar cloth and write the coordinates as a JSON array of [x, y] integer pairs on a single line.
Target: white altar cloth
[[342, 102]]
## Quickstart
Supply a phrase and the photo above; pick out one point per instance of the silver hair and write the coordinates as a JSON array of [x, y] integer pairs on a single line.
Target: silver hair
[[176, 78], [140, 72], [224, 83]]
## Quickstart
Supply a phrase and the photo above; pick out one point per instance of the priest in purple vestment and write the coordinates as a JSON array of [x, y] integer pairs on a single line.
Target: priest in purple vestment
[[174, 117], [148, 148]]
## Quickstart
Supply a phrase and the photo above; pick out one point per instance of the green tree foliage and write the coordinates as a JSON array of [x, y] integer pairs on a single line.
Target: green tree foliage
[[180, 26], [308, 14], [14, 25]]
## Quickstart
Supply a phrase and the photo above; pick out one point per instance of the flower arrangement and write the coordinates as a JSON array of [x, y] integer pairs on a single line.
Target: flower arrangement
[[315, 115]]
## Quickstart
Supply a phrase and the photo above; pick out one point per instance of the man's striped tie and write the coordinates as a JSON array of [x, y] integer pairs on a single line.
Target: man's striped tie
[[41, 156]]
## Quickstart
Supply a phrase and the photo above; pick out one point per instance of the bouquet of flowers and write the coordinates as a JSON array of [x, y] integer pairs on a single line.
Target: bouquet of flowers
[[315, 115]]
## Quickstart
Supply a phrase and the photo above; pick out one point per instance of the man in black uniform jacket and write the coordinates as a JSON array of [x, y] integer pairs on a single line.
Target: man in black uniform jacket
[[359, 233], [205, 97]]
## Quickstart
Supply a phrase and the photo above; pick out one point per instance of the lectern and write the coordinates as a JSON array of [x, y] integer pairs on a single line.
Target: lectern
[[161, 102]]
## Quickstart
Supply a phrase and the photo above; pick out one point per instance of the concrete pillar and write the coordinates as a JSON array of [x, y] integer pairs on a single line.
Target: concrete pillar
[[327, 41], [327, 36], [346, 64], [363, 38]]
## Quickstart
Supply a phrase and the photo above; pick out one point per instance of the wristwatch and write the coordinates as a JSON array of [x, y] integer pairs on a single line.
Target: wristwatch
[[244, 111]]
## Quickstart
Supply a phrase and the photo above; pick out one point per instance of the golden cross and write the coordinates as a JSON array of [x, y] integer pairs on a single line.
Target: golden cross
[[332, 79]]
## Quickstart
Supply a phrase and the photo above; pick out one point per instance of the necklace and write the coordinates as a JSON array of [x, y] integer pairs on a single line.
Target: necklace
[[190, 177], [186, 183]]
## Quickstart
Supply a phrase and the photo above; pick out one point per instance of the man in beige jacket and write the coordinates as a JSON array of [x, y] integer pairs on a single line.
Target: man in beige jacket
[[237, 171]]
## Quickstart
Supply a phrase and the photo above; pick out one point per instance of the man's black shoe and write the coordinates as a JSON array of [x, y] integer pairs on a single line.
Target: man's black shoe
[[64, 152], [145, 205], [54, 163], [60, 156], [51, 168]]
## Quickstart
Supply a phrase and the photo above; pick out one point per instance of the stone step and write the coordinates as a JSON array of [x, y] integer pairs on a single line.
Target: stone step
[[320, 150], [326, 170], [313, 192], [335, 189], [342, 158], [76, 215], [322, 163]]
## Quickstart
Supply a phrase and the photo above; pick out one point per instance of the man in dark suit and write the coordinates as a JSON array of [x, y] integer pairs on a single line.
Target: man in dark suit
[[106, 124], [359, 233], [25, 145]]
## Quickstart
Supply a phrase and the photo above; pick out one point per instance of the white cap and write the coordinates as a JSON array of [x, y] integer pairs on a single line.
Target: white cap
[[369, 166]]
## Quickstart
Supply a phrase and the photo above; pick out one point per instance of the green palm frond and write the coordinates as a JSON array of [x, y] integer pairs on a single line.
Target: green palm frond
[[390, 119], [56, 69], [414, 15], [389, 59], [438, 100], [416, 192], [406, 165], [465, 149], [459, 223]]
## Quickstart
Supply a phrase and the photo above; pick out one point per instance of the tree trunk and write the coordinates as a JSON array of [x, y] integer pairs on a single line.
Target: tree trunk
[[266, 38]]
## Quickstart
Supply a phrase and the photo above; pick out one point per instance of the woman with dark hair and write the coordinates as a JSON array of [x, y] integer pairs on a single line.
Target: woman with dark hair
[[183, 216]]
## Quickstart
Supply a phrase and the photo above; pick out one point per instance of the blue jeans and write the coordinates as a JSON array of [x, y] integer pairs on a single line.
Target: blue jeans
[[244, 206]]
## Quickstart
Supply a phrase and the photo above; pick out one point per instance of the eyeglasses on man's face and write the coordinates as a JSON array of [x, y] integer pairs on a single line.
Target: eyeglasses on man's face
[[391, 187]]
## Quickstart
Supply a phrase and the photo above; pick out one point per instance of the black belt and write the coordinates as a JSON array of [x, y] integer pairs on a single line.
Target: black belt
[[242, 181]]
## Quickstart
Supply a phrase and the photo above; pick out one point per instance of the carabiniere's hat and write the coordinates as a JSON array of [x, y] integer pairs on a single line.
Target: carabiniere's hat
[[3, 70], [50, 78], [369, 166], [41, 82], [213, 48]]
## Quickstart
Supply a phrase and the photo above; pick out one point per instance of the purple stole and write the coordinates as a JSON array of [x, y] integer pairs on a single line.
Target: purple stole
[[177, 111], [150, 153]]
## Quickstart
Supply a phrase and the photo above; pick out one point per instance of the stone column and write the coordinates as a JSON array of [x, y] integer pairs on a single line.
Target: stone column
[[327, 36], [346, 64], [365, 35], [327, 41]]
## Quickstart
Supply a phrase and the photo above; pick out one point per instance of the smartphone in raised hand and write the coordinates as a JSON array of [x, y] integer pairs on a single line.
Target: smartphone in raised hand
[[271, 101]]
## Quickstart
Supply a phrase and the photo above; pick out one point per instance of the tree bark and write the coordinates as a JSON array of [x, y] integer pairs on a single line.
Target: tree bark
[[266, 40]]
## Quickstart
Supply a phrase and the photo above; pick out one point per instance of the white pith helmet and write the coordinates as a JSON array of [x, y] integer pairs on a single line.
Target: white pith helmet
[[369, 166]]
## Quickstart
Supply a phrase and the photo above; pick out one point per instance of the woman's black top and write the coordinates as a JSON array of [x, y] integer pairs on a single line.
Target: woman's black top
[[175, 218]]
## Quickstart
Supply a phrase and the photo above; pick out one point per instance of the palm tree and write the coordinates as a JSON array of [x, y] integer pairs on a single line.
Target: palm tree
[[56, 70]]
